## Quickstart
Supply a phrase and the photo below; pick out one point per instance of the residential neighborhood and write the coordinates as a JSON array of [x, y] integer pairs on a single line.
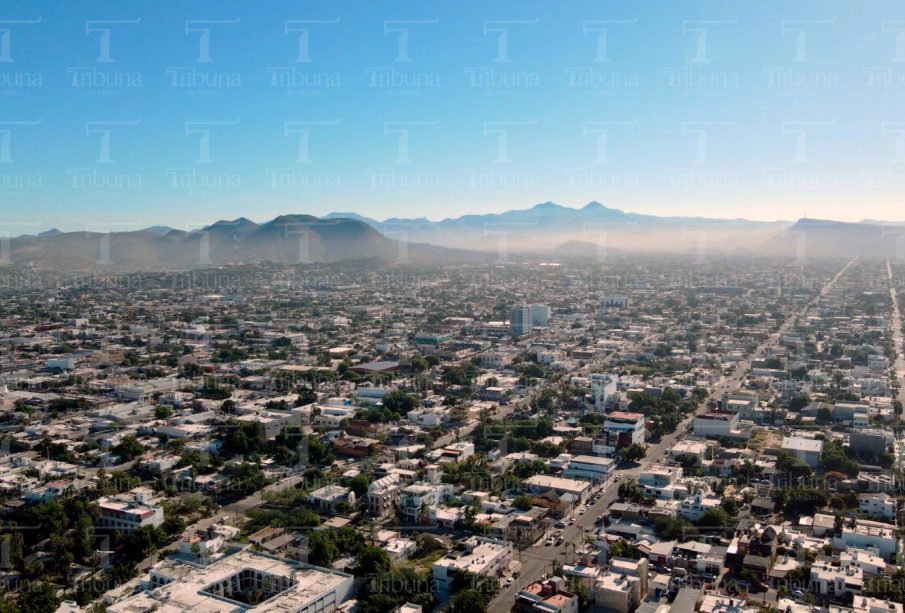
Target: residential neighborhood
[[554, 435]]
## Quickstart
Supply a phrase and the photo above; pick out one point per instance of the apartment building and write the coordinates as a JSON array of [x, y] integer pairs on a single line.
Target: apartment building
[[621, 429], [878, 504], [623, 586]]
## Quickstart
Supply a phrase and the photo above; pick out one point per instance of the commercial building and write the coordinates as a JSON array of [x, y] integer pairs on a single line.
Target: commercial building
[[476, 555], [716, 424], [590, 468], [244, 581], [540, 484], [807, 450]]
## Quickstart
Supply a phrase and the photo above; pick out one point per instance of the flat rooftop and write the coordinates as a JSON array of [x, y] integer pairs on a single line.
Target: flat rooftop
[[189, 588]]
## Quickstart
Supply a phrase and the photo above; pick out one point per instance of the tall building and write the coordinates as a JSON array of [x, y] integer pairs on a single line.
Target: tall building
[[520, 321], [539, 314]]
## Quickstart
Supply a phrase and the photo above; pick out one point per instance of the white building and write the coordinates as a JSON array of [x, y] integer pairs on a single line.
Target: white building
[[128, 512], [331, 416], [539, 314], [590, 468], [694, 507], [477, 555], [866, 604], [328, 497], [541, 484], [715, 424], [878, 504], [623, 587], [604, 390], [456, 452], [807, 450], [428, 417], [227, 584], [868, 535], [662, 481]]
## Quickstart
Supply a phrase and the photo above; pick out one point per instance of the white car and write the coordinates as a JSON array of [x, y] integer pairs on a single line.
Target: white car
[[509, 581]]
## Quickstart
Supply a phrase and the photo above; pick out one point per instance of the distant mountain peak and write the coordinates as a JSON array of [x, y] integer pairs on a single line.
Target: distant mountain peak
[[241, 222], [51, 232], [292, 218], [547, 206], [593, 205], [162, 230]]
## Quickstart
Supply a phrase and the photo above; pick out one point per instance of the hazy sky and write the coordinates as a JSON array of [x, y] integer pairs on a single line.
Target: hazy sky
[[121, 115]]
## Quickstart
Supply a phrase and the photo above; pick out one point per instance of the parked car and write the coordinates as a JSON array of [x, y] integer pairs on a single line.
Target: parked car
[[550, 541], [560, 524]]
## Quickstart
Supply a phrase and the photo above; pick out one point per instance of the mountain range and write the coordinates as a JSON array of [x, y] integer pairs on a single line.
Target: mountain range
[[548, 227]]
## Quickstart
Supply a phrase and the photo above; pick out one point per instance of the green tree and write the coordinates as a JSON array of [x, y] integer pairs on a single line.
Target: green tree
[[623, 549], [373, 560], [322, 550], [468, 601], [798, 402], [523, 502], [38, 597], [634, 453], [714, 518], [129, 448]]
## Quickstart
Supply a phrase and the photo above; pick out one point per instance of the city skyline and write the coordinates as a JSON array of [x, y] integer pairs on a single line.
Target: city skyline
[[121, 117]]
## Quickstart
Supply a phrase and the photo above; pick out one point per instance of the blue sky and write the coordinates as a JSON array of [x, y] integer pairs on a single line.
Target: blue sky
[[122, 115]]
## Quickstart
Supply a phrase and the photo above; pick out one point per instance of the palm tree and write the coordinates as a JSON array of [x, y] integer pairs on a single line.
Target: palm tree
[[423, 513]]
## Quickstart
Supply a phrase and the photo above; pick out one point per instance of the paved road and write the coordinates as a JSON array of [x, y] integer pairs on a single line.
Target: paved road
[[899, 345], [897, 334], [538, 560]]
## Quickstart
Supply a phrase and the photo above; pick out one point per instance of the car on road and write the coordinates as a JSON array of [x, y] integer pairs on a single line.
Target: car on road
[[550, 541], [509, 581], [560, 524], [582, 512], [559, 540], [798, 593], [571, 521], [618, 477]]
